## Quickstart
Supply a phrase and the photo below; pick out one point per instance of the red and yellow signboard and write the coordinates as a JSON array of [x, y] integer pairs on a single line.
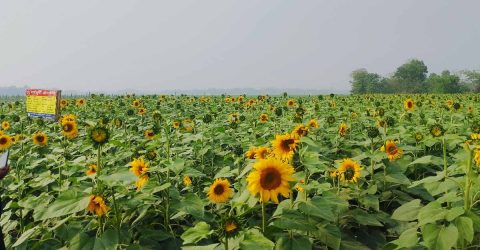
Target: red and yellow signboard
[[43, 103]]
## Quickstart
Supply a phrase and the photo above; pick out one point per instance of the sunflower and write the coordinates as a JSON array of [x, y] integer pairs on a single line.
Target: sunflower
[[284, 146], [470, 109], [240, 98], [250, 154], [409, 104], [449, 103], [227, 99], [142, 111], [300, 130], [290, 103], [437, 130], [136, 103], [343, 129], [70, 129], [63, 103], [234, 118], [349, 170], [92, 169], [5, 125], [312, 124], [262, 152], [176, 124], [5, 142], [97, 205], [149, 134], [187, 181], [99, 135], [263, 118], [40, 139], [141, 181], [418, 136], [393, 152], [231, 226], [139, 167], [81, 102], [269, 178], [220, 191], [476, 158], [68, 118]]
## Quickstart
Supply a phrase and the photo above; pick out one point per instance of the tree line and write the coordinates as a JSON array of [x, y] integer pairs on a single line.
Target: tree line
[[412, 77]]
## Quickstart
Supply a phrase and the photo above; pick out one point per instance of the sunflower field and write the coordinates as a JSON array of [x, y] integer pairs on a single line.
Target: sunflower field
[[244, 172]]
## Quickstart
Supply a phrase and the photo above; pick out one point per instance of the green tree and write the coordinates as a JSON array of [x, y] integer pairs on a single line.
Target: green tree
[[365, 82], [473, 79], [444, 83], [410, 77]]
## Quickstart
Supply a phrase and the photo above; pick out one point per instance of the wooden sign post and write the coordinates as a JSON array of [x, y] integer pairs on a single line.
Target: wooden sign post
[[43, 103]]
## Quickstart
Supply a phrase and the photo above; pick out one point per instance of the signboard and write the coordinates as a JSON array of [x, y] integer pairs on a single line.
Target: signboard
[[43, 103]]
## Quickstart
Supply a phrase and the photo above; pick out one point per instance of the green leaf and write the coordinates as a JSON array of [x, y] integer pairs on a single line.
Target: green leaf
[[430, 179], [330, 235], [365, 218], [26, 235], [254, 240], [82, 242], [297, 242], [407, 239], [427, 160], [453, 213], [194, 234], [465, 228], [439, 237], [430, 213], [408, 211], [120, 178], [108, 240], [317, 207], [68, 202], [177, 165], [192, 204]]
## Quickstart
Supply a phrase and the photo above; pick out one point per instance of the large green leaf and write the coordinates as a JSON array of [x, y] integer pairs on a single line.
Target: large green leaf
[[68, 202], [297, 242], [254, 240], [408, 211], [194, 234]]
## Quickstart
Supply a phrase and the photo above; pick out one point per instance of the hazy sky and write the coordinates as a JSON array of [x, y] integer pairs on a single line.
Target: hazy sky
[[182, 44]]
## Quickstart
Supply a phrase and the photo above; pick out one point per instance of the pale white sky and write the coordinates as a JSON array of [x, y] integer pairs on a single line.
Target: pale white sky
[[157, 45]]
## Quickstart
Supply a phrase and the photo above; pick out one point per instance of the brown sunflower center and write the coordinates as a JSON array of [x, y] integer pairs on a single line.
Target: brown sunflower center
[[219, 189], [409, 105], [270, 178], [68, 127], [285, 144], [349, 173], [392, 149], [3, 140], [40, 138]]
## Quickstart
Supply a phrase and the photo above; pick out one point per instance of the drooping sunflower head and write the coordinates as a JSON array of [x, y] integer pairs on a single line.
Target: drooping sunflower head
[[219, 191], [149, 134], [92, 169], [269, 178], [187, 181], [408, 104], [97, 205], [437, 130], [284, 146], [262, 152], [393, 152], [312, 123], [139, 167], [70, 129], [5, 125], [99, 135], [5, 142], [372, 132], [40, 139], [300, 130], [349, 170]]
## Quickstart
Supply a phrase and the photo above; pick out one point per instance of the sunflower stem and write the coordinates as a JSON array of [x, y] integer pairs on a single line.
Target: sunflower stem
[[468, 183], [444, 146], [116, 213], [263, 216], [226, 243]]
